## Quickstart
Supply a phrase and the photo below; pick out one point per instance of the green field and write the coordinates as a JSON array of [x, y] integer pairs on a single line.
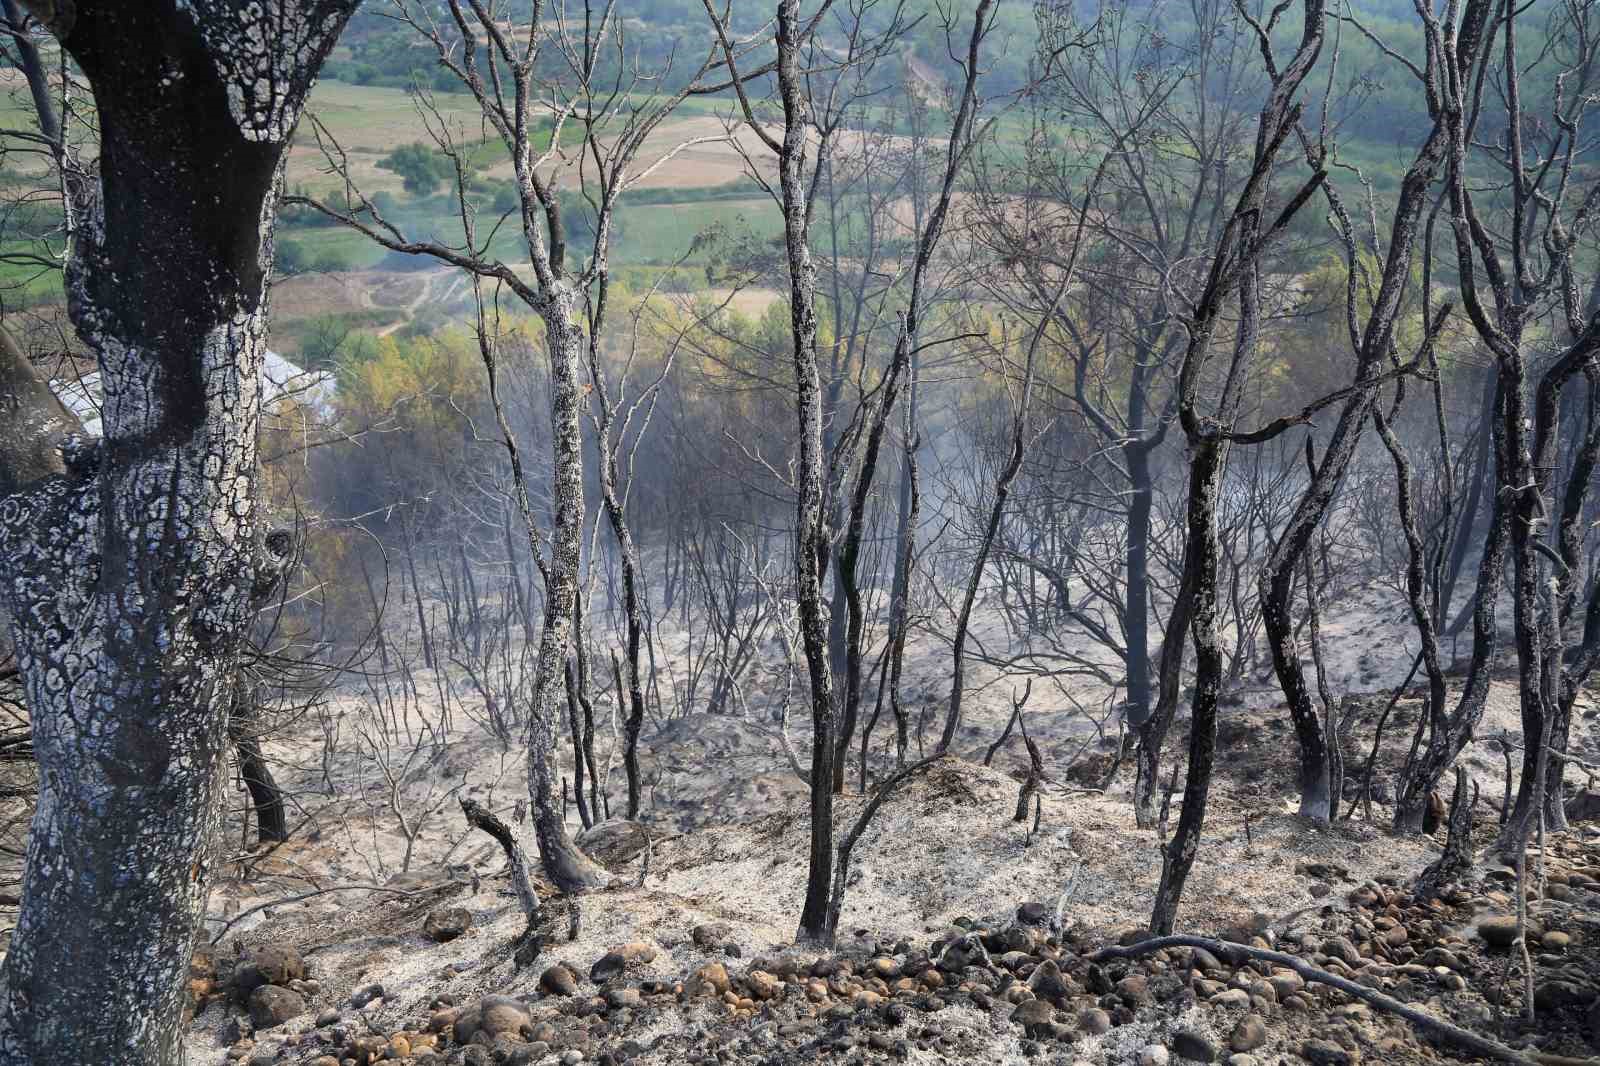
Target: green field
[[662, 233]]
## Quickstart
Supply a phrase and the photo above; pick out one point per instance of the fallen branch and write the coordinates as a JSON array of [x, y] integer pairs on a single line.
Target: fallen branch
[[480, 817], [1235, 954], [242, 915]]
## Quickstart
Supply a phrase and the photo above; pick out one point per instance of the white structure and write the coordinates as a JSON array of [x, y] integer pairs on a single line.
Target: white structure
[[279, 378]]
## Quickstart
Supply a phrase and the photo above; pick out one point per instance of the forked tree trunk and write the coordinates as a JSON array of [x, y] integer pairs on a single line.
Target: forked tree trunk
[[1543, 604], [1452, 732], [132, 577], [1235, 266], [1319, 797]]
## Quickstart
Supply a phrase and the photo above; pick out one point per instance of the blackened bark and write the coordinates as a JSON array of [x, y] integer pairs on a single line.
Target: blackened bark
[[131, 578], [1318, 795], [811, 540], [1206, 460], [904, 555], [1141, 489], [631, 728], [1457, 859], [265, 796], [635, 592], [1577, 662], [575, 728], [1030, 784], [1153, 730], [480, 817], [1450, 732], [997, 509], [1235, 266], [906, 341]]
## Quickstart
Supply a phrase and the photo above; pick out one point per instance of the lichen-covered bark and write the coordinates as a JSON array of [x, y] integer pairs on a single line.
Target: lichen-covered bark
[[131, 577], [566, 865]]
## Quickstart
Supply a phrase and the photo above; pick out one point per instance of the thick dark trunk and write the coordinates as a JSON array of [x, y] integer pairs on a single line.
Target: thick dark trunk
[[131, 579], [265, 796], [1142, 497]]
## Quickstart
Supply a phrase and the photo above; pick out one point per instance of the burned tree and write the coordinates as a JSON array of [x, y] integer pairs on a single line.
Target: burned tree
[[1235, 270], [131, 574], [1373, 343], [1512, 273], [508, 73]]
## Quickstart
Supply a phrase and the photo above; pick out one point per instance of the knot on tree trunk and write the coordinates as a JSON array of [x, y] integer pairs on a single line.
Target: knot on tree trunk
[[278, 551]]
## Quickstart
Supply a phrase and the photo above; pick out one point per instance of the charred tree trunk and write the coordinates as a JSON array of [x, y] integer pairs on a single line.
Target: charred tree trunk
[[1458, 858], [1141, 488], [132, 576], [265, 796], [1570, 533], [564, 862], [1206, 459], [631, 728], [635, 592], [1450, 733], [997, 509], [575, 727], [266, 799], [1374, 343], [480, 817], [1153, 730], [811, 538], [1543, 605], [1235, 267], [904, 555], [1031, 783]]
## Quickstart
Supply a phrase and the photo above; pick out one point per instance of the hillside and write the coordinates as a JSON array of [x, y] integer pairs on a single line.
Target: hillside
[[943, 858]]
